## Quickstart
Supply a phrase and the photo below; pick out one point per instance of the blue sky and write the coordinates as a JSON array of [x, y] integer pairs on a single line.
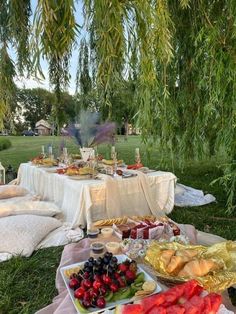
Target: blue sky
[[31, 83]]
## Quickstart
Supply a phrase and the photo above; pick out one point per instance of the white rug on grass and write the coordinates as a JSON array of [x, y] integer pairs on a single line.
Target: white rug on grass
[[186, 196]]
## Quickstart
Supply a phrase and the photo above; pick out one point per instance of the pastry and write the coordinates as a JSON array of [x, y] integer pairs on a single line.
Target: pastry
[[166, 256], [187, 253], [198, 268], [175, 265]]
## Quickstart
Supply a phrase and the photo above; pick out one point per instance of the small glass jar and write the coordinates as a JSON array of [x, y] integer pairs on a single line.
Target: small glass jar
[[107, 232], [93, 233], [97, 247]]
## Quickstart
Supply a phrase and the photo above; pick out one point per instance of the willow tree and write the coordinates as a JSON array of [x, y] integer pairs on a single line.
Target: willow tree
[[186, 63]]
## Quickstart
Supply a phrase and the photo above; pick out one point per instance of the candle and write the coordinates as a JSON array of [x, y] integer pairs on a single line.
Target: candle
[[113, 149], [136, 151], [64, 150], [50, 150], [43, 149]]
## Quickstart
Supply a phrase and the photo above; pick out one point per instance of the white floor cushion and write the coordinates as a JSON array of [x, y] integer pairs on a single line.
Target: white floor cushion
[[28, 208], [8, 191], [21, 234]]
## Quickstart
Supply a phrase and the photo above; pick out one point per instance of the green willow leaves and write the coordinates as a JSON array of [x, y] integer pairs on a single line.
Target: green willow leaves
[[184, 53]]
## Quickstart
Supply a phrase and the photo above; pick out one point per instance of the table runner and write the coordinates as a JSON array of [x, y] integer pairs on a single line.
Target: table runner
[[83, 202]]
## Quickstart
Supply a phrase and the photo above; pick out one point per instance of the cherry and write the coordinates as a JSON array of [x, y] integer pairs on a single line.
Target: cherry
[[93, 293], [114, 259], [83, 284], [114, 287], [101, 302], [74, 283], [86, 303], [103, 290], [106, 279], [116, 275], [97, 284], [123, 267], [87, 296], [86, 275], [121, 282], [97, 277], [87, 283], [79, 293]]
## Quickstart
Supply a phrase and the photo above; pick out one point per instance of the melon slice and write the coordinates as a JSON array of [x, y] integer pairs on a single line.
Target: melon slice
[[152, 301], [129, 309]]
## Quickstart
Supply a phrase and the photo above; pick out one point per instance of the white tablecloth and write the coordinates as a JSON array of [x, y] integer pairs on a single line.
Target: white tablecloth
[[86, 201]]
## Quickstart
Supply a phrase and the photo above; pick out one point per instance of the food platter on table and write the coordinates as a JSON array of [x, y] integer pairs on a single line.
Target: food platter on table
[[39, 161], [130, 281]]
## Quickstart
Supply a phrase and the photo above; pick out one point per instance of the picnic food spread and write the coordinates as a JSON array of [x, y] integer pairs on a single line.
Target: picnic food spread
[[163, 246]]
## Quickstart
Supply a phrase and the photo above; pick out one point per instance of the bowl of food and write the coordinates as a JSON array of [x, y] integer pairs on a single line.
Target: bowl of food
[[93, 233], [97, 247]]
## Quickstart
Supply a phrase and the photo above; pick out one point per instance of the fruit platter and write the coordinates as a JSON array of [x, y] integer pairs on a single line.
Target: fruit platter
[[44, 162], [76, 171], [105, 282]]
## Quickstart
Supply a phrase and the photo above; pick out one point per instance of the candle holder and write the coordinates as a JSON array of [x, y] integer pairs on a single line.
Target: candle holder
[[137, 156], [113, 152], [115, 165], [2, 174]]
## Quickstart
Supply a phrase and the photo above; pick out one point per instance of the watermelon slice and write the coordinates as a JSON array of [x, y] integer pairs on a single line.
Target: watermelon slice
[[212, 303], [129, 309], [157, 310], [175, 309], [190, 308], [197, 301], [152, 301]]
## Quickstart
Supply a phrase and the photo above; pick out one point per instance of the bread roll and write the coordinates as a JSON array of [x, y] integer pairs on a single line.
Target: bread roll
[[198, 268], [166, 256], [176, 263]]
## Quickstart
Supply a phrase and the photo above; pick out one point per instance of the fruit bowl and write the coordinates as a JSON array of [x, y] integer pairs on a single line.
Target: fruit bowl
[[109, 298]]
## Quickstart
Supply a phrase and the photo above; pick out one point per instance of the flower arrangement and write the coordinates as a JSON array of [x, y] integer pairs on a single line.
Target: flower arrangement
[[89, 133]]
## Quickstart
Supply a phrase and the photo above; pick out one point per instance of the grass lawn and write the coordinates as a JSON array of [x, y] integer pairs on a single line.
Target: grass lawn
[[27, 284]]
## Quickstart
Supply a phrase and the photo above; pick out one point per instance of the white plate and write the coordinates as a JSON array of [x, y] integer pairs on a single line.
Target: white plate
[[109, 305]]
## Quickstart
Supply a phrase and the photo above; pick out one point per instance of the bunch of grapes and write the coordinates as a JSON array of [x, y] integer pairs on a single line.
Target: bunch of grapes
[[100, 278]]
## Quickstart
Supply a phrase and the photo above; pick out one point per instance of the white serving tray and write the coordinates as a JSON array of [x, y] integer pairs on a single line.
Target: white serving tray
[[109, 305]]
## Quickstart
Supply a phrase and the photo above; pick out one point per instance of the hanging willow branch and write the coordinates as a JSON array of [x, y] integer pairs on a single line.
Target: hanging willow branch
[[7, 85], [55, 33], [108, 41], [19, 24]]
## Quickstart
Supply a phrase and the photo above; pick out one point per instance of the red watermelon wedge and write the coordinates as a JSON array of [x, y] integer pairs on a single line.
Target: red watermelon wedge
[[129, 309]]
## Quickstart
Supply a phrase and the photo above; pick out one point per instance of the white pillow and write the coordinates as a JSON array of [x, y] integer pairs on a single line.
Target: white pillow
[[21, 234], [8, 191], [28, 208]]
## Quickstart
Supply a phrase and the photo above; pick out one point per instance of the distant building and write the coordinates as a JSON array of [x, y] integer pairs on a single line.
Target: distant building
[[132, 130], [42, 127]]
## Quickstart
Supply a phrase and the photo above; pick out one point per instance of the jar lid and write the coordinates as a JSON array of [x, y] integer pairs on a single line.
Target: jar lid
[[97, 246], [92, 231]]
